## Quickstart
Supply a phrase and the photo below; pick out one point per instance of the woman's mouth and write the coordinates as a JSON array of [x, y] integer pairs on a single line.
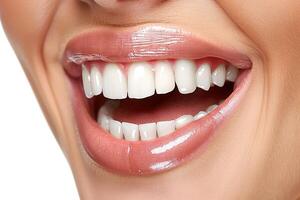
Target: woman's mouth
[[145, 100]]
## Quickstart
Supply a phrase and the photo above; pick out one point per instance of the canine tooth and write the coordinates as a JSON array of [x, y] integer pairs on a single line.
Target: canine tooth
[[218, 75], [211, 108], [183, 120], [231, 73], [165, 128], [130, 131], [200, 115], [114, 82], [203, 76], [141, 82], [164, 77], [96, 81], [105, 113], [147, 131], [86, 81], [115, 128], [185, 71], [108, 107], [103, 120]]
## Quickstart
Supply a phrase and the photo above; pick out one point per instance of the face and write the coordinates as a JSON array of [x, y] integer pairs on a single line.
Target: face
[[148, 97]]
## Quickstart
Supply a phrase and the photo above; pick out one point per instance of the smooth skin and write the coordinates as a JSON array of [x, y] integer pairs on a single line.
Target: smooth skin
[[255, 154]]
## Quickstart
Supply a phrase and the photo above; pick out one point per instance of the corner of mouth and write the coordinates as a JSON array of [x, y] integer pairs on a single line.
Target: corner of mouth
[[147, 99]]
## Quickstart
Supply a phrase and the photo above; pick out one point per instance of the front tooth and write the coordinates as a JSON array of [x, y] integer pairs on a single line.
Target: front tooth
[[147, 131], [203, 76], [231, 73], [218, 76], [200, 115], [114, 82], [140, 80], [96, 80], [115, 128], [130, 131], [86, 81], [165, 128], [185, 71], [164, 77], [211, 108], [183, 120]]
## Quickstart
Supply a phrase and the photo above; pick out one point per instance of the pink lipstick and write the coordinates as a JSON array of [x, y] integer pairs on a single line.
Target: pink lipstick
[[109, 146]]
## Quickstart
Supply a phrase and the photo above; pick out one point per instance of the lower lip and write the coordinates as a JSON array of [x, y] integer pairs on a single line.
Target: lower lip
[[159, 155]]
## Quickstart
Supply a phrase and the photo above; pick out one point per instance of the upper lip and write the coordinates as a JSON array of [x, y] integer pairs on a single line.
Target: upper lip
[[143, 44], [146, 43]]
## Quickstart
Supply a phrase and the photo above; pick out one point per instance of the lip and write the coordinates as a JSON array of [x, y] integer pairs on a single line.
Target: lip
[[132, 45], [146, 43]]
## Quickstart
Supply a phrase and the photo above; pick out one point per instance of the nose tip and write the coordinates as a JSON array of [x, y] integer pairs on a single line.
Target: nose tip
[[125, 5]]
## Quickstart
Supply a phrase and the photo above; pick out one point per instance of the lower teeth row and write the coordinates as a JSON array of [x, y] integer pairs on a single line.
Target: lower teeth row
[[144, 132]]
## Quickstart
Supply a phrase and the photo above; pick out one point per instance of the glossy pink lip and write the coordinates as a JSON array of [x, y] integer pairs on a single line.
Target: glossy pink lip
[[148, 43]]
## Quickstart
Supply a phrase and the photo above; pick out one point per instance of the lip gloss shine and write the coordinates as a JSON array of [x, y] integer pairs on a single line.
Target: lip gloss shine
[[145, 44]]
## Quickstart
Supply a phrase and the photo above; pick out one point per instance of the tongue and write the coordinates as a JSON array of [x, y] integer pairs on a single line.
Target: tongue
[[169, 106]]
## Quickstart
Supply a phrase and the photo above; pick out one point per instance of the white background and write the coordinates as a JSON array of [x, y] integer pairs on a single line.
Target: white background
[[32, 165]]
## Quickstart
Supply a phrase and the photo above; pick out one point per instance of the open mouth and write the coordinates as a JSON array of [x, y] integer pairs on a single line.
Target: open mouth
[[142, 103], [148, 113]]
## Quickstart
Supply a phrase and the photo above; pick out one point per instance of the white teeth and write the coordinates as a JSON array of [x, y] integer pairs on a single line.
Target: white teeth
[[147, 131], [86, 81], [218, 76], [185, 76], [143, 132], [141, 82], [144, 79], [103, 120], [105, 112], [108, 108], [165, 128], [130, 131], [200, 115], [96, 81], [183, 120], [115, 129], [164, 77], [211, 108], [203, 77], [231, 73], [114, 82]]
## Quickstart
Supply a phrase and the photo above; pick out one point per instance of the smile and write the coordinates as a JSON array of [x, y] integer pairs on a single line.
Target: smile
[[146, 100]]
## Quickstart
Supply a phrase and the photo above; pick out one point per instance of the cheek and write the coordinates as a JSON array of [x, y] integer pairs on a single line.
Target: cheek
[[269, 23], [25, 23]]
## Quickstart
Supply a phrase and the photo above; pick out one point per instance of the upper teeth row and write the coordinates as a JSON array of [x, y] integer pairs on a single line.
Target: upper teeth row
[[143, 79]]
